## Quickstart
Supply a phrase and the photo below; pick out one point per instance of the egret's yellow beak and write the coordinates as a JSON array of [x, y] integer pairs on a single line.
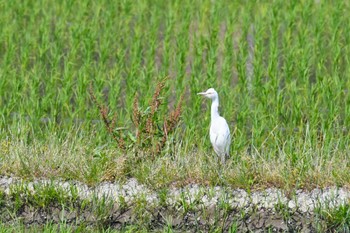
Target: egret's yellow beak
[[201, 93]]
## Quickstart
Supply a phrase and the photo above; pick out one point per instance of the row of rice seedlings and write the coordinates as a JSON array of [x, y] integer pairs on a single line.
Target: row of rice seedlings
[[280, 68]]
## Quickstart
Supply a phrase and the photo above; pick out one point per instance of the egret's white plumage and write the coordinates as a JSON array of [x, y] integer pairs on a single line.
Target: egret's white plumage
[[219, 132]]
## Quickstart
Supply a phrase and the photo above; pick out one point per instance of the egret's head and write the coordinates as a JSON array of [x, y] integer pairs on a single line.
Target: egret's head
[[210, 93]]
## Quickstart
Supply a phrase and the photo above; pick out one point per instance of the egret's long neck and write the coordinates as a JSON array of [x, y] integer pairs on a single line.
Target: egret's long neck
[[214, 108]]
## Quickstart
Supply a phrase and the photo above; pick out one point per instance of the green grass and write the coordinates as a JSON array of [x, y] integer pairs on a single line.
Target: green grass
[[60, 227], [64, 228], [281, 70], [335, 219]]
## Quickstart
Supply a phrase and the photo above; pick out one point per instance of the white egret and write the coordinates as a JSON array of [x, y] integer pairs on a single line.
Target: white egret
[[219, 132]]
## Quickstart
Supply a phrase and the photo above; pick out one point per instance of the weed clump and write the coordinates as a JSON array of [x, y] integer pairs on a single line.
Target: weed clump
[[109, 124], [152, 129]]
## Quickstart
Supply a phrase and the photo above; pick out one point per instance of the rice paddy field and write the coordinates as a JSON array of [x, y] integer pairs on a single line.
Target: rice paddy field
[[281, 69]]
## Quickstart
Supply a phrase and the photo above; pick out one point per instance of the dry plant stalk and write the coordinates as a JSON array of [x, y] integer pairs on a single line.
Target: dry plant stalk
[[170, 124], [174, 117], [145, 125], [136, 117], [110, 125], [154, 106]]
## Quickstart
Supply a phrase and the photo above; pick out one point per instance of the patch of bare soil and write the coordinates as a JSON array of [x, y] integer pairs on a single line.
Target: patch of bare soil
[[118, 218]]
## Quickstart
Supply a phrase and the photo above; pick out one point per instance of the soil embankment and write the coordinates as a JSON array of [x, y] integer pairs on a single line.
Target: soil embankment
[[191, 208]]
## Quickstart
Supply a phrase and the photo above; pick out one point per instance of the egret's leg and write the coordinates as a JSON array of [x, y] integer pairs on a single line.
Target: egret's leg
[[222, 159], [227, 155], [221, 167]]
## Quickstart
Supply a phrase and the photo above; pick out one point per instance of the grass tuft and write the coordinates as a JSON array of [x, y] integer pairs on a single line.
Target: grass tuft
[[150, 134]]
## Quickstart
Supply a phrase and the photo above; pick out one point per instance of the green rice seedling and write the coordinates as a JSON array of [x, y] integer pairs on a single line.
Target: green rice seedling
[[281, 70]]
